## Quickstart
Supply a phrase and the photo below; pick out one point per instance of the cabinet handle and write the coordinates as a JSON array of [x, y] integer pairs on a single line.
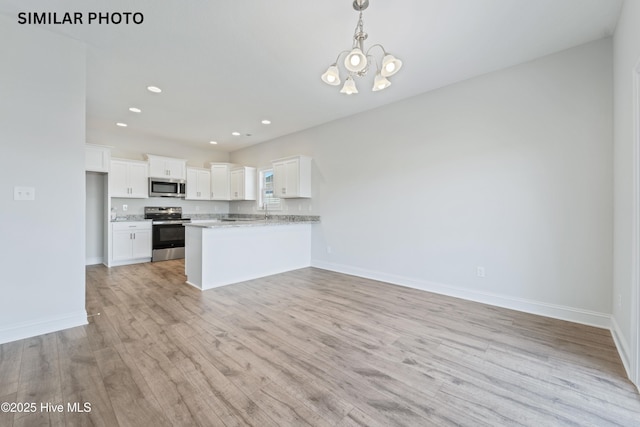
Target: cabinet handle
[[134, 236]]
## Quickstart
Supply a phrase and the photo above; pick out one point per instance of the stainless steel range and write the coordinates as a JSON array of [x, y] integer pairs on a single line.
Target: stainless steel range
[[168, 232]]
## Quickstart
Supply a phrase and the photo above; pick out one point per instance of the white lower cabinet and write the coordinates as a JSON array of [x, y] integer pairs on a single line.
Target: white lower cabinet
[[130, 242]]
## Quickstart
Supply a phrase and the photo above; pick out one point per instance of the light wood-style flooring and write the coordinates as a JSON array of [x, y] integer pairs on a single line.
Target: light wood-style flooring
[[310, 348]]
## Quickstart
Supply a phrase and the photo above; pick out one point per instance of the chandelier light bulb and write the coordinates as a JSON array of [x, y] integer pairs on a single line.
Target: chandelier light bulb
[[355, 61], [390, 65]]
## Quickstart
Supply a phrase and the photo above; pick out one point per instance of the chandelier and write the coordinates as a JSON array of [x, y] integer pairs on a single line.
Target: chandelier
[[357, 60]]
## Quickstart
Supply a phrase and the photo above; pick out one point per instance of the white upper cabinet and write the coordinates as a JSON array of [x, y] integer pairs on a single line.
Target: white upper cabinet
[[198, 184], [221, 181], [243, 183], [96, 158], [292, 177], [129, 178], [167, 167]]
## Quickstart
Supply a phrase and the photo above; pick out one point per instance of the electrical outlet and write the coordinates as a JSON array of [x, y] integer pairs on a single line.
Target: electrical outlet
[[197, 208], [125, 207], [480, 272], [328, 249], [24, 193], [299, 207]]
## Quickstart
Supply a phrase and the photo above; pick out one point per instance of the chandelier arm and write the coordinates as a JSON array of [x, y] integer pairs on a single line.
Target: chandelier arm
[[384, 52], [339, 55]]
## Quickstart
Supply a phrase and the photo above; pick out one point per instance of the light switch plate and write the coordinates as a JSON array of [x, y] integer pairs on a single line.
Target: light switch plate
[[24, 193]]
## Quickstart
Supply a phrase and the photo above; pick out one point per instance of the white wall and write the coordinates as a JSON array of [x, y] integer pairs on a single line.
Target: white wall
[[43, 248], [128, 144], [626, 58], [511, 171]]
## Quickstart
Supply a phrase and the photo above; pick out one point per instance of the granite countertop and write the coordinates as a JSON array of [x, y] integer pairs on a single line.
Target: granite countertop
[[238, 220], [130, 218], [256, 221]]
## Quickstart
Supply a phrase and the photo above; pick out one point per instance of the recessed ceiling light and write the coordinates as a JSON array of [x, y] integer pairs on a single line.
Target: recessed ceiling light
[[135, 110], [235, 133], [154, 89], [213, 142], [266, 122], [122, 125]]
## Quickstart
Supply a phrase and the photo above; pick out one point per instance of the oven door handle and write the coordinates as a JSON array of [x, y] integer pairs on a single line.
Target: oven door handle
[[170, 222]]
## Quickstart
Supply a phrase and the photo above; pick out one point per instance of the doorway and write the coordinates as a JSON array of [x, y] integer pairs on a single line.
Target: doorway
[[96, 218]]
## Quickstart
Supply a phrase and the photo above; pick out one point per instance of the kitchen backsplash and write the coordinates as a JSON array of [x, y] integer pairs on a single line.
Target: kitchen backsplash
[[136, 206]]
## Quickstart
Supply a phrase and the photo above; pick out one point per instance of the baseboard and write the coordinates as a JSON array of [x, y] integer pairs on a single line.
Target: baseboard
[[571, 314], [621, 345], [33, 328], [128, 262], [94, 261]]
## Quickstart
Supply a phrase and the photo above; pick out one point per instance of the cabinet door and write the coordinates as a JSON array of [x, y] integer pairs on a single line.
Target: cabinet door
[[118, 179], [220, 182], [122, 245], [292, 181], [198, 184], [292, 177], [280, 179], [96, 158], [138, 180], [192, 185], [157, 168], [204, 185], [141, 244], [237, 185], [175, 168]]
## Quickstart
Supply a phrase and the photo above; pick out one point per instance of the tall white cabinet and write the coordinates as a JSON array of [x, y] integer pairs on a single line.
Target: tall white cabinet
[[292, 177]]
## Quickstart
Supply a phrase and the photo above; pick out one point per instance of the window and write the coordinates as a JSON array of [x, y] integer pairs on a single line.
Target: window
[[266, 200]]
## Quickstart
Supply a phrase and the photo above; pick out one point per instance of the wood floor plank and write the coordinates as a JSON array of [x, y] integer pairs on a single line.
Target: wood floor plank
[[40, 381], [131, 397], [82, 381], [10, 361]]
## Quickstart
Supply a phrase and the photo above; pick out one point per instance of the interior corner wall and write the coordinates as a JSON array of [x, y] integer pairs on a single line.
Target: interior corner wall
[[42, 255], [510, 171], [626, 58]]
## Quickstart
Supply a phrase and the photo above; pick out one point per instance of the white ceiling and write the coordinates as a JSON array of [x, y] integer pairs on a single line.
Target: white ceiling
[[224, 65]]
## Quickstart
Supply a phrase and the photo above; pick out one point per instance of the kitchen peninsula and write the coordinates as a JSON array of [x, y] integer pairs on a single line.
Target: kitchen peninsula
[[223, 252]]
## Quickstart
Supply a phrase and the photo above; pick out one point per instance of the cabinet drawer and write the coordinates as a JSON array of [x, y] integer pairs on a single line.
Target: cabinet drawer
[[131, 225]]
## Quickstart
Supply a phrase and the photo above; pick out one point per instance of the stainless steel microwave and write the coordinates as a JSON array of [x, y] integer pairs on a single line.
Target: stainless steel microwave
[[160, 187]]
